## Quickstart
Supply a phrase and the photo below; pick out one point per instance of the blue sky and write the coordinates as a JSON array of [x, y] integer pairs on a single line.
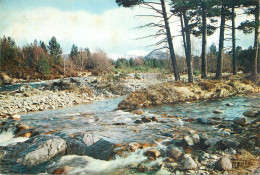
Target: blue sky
[[96, 24], [92, 6]]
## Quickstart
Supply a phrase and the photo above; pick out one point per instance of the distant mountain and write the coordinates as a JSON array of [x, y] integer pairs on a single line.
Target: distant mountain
[[160, 55]]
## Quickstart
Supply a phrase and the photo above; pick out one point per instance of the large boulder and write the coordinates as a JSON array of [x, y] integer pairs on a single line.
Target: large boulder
[[251, 113], [187, 163], [223, 164], [242, 121], [174, 152], [34, 154], [87, 144]]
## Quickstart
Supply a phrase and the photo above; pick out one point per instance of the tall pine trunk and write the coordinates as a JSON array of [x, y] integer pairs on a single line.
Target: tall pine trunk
[[204, 65], [221, 44], [183, 33], [170, 44], [234, 41], [256, 43], [188, 52]]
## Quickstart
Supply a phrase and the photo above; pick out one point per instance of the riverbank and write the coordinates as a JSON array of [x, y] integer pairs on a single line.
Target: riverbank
[[71, 91], [175, 92]]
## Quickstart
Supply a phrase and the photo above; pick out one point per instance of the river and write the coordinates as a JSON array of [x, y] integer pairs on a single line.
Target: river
[[103, 120]]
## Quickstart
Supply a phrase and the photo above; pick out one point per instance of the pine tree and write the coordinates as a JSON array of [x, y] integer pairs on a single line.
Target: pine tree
[[55, 50]]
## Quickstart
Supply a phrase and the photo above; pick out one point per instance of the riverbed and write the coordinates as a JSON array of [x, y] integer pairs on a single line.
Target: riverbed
[[103, 120]]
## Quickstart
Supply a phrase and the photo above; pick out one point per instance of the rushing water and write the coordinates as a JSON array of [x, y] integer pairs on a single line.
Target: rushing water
[[102, 119]]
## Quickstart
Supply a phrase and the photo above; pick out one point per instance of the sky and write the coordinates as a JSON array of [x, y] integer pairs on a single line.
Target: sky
[[96, 24]]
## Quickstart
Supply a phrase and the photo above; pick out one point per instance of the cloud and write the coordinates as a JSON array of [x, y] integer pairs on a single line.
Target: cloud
[[114, 31]]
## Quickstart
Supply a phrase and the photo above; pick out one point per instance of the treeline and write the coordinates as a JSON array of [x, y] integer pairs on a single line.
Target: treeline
[[35, 60], [41, 61], [200, 18]]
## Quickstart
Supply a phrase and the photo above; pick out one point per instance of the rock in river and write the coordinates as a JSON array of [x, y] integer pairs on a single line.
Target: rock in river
[[34, 154], [242, 121], [251, 113], [188, 163]]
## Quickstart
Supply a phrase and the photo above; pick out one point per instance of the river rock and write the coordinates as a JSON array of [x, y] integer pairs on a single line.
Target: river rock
[[188, 141], [102, 149], [187, 163], [218, 111], [34, 154], [196, 138], [251, 113], [223, 164], [202, 121], [174, 152], [152, 152], [242, 121], [224, 144], [229, 104], [146, 119], [15, 117]]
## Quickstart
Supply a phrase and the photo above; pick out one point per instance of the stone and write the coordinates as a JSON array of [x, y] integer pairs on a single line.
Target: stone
[[196, 138], [173, 152], [251, 113], [154, 119], [188, 141], [242, 121], [15, 117], [188, 163], [141, 168], [218, 111], [146, 119], [134, 146], [229, 104], [32, 155], [63, 170], [223, 164], [202, 121], [152, 152]]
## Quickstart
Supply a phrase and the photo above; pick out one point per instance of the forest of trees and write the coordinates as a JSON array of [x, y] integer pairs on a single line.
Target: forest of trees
[[199, 18]]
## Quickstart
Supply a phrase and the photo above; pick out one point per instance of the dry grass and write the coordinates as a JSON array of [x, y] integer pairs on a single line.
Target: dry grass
[[207, 85], [244, 160]]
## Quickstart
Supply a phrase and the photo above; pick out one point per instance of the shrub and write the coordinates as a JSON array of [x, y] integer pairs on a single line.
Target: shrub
[[137, 76]]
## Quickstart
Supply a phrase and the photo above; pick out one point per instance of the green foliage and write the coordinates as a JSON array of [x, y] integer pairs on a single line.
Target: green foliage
[[137, 76], [128, 3], [196, 72], [55, 50]]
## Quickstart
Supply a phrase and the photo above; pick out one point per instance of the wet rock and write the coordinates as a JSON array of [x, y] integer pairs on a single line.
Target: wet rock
[[251, 113], [229, 104], [173, 152], [202, 121], [218, 111], [224, 144], [187, 163], [119, 124], [138, 112], [242, 121], [15, 117], [134, 146], [102, 149], [218, 118], [152, 152], [138, 122], [141, 168], [62, 170], [196, 138], [155, 119], [146, 119], [223, 164], [32, 155], [188, 141], [167, 134], [256, 121]]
